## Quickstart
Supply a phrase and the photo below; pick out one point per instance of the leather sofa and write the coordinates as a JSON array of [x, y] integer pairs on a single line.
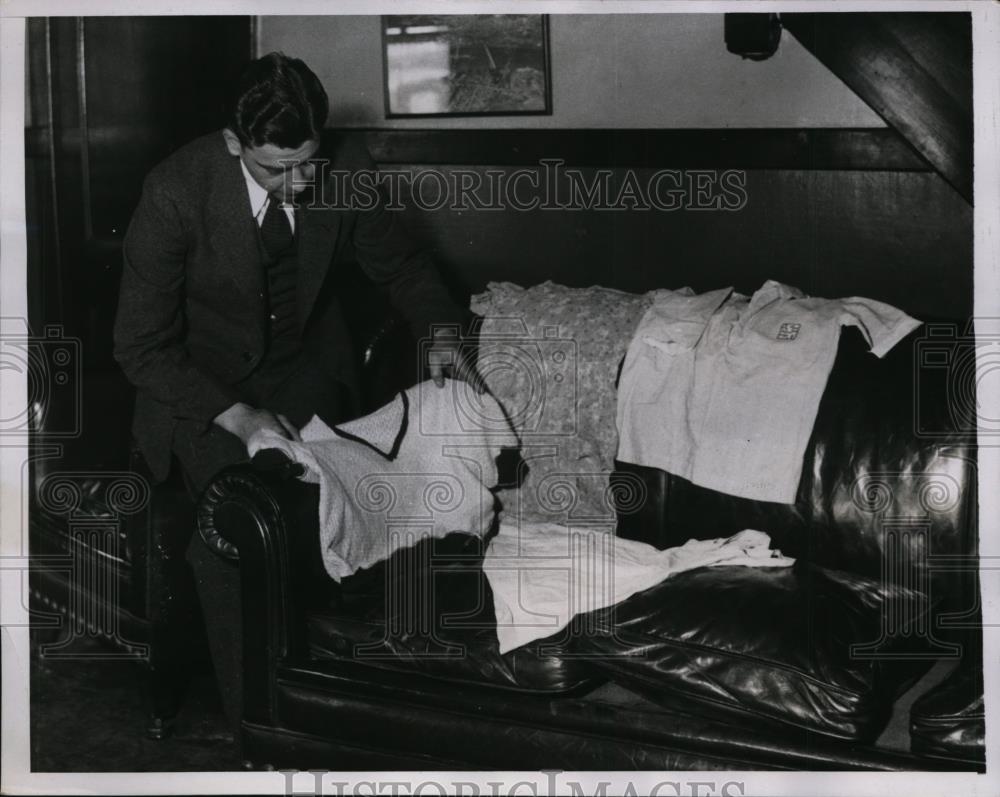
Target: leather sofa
[[796, 668]]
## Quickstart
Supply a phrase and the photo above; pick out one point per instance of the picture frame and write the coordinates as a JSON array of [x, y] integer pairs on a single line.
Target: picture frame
[[447, 65]]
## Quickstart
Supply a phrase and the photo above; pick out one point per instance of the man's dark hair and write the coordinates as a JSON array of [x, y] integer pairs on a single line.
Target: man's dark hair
[[278, 100]]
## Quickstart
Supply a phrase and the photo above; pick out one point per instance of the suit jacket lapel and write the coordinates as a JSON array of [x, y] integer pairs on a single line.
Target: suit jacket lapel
[[233, 231], [316, 229], [234, 237]]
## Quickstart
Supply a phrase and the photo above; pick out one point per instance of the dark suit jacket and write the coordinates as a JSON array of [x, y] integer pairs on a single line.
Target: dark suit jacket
[[192, 310]]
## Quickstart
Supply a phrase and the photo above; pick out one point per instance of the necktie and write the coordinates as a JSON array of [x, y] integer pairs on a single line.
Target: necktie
[[275, 231]]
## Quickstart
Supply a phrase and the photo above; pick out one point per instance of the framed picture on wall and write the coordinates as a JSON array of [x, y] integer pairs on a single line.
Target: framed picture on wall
[[466, 65]]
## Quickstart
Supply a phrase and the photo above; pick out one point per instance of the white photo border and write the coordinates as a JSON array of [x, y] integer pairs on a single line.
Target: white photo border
[[15, 760]]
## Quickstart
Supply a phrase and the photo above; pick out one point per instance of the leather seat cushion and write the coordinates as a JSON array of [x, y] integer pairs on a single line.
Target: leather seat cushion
[[768, 646], [429, 609]]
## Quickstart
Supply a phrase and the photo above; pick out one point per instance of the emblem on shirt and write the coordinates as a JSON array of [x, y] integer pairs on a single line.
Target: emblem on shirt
[[789, 331]]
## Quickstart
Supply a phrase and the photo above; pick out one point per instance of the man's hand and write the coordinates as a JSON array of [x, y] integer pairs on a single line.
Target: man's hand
[[446, 356], [243, 421]]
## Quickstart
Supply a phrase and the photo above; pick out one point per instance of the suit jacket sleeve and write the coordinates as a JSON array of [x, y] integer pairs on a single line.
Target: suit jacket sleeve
[[390, 257], [150, 321]]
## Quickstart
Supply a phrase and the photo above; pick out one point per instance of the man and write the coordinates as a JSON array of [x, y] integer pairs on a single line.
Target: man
[[229, 320]]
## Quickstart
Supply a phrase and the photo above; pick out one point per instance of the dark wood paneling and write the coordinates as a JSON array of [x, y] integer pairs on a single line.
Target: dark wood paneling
[[913, 69], [152, 85], [833, 212], [904, 238], [739, 148], [124, 92]]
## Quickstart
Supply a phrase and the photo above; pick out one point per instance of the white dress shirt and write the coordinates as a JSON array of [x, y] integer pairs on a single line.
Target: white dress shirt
[[259, 199]]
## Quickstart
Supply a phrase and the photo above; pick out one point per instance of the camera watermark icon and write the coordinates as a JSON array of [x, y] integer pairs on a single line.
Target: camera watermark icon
[[51, 363], [952, 365], [531, 380]]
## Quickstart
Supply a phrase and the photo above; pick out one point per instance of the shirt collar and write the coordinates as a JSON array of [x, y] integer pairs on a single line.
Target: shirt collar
[[258, 196], [771, 291]]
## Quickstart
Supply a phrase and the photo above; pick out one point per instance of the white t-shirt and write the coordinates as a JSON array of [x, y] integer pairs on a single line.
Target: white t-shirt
[[421, 466]]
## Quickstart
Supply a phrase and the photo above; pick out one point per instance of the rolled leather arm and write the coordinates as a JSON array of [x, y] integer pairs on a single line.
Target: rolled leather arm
[[270, 467], [262, 514]]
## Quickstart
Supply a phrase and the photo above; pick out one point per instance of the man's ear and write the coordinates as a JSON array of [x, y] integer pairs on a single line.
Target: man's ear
[[233, 144]]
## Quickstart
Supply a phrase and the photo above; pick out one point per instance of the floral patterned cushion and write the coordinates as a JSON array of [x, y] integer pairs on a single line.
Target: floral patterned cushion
[[550, 356]]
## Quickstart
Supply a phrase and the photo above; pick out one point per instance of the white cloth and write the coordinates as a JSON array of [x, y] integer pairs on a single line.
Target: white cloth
[[259, 199], [422, 466], [544, 574], [723, 390]]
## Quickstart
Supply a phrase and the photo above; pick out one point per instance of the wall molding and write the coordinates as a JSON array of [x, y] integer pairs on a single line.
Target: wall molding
[[856, 149]]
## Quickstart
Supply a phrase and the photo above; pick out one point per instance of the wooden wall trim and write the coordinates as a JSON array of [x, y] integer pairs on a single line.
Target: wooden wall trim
[[913, 69], [877, 149]]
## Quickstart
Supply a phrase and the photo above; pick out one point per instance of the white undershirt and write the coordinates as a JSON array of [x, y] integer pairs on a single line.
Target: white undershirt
[[259, 199]]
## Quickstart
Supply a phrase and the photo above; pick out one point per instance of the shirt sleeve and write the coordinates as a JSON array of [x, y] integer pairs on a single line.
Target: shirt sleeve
[[882, 324], [391, 257]]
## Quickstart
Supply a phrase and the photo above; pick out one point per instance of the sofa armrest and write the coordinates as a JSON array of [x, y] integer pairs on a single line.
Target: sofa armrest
[[262, 515], [269, 468]]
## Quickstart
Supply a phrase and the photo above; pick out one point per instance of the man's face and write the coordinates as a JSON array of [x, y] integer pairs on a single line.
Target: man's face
[[283, 173]]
